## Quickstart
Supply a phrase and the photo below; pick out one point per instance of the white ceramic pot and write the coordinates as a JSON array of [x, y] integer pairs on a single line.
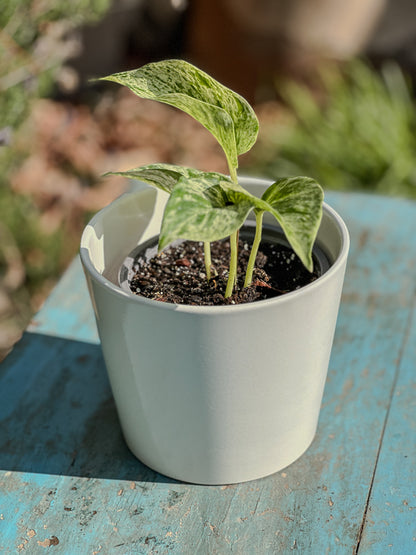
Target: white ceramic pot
[[211, 395]]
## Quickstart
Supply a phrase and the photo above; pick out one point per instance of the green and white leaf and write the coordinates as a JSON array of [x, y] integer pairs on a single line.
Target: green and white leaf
[[204, 209], [296, 203], [166, 176], [226, 114]]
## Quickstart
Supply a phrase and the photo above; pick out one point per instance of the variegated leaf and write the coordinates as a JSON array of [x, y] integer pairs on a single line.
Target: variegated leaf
[[226, 114], [204, 209], [166, 176], [296, 203]]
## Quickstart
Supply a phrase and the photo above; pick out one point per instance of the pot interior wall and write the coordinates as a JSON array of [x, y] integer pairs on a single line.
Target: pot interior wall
[[113, 233]]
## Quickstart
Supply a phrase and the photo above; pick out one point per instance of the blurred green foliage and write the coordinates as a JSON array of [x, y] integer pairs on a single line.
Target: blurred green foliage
[[359, 135], [35, 41]]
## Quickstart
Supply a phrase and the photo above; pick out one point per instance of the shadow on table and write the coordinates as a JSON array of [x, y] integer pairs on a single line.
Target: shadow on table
[[57, 414]]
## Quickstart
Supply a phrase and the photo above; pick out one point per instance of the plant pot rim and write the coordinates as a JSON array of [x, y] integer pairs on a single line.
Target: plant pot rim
[[213, 310]]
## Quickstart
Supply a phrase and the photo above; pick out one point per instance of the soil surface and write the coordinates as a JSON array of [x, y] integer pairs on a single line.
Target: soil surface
[[177, 274]]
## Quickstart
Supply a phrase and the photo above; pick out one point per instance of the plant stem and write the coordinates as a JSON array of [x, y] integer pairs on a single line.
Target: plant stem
[[254, 250], [232, 275], [207, 257], [233, 173]]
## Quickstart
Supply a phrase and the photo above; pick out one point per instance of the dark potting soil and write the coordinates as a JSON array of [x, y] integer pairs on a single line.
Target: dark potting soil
[[177, 274]]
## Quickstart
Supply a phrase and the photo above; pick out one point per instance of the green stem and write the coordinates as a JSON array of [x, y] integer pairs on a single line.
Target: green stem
[[234, 249], [207, 257], [254, 250], [232, 275], [233, 173]]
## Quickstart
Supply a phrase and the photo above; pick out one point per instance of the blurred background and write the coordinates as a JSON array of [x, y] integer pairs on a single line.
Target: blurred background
[[331, 82]]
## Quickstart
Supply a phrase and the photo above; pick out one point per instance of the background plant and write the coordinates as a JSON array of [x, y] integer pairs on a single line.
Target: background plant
[[35, 41], [359, 135]]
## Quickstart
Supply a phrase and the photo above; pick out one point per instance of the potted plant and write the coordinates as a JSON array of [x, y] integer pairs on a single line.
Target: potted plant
[[214, 394]]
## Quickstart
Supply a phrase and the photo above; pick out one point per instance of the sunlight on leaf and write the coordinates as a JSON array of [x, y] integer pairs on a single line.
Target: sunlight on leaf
[[296, 203], [166, 176], [226, 114], [204, 209]]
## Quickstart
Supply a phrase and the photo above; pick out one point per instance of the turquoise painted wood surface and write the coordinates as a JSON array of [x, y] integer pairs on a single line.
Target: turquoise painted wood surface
[[68, 483]]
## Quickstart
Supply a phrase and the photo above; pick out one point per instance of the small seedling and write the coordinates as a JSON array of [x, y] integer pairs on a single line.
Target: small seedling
[[208, 206]]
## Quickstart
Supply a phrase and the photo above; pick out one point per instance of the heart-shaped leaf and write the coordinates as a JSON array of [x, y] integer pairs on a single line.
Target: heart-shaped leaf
[[226, 114], [296, 203], [204, 209]]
